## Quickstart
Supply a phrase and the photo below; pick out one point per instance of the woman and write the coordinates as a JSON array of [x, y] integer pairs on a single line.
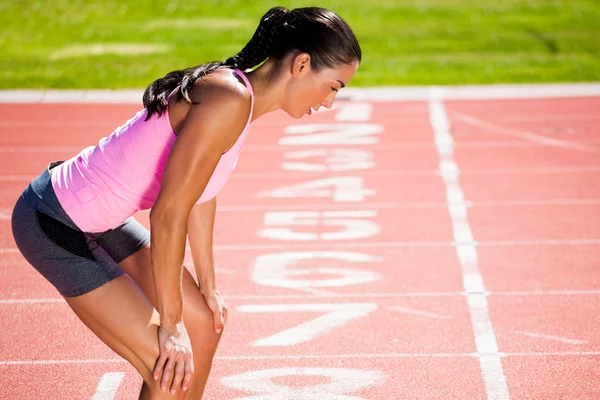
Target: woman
[[74, 222]]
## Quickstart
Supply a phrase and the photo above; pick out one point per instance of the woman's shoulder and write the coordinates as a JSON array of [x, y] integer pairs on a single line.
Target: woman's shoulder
[[222, 85]]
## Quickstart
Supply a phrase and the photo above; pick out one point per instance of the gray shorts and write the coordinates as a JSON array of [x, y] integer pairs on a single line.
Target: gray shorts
[[74, 262]]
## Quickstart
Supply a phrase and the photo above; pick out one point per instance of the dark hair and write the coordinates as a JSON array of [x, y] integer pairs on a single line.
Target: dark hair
[[317, 31]]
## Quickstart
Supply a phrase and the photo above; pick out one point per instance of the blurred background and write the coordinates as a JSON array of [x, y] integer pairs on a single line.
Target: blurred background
[[129, 43]]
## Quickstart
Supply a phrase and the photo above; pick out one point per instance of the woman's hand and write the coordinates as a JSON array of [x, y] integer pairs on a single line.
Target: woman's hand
[[175, 358], [217, 305]]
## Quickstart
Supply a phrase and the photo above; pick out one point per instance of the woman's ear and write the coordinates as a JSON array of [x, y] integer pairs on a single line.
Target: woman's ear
[[300, 65]]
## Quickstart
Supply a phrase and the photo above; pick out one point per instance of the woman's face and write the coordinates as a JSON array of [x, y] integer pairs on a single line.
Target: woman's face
[[307, 90]]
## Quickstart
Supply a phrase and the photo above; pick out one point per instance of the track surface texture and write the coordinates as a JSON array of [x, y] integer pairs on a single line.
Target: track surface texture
[[428, 248]]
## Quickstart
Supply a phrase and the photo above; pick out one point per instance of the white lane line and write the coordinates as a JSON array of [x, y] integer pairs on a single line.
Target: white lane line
[[64, 362], [530, 136], [567, 292], [16, 178], [53, 123], [399, 172], [420, 204], [108, 386], [374, 94], [41, 149], [32, 301], [364, 295], [473, 92], [390, 245], [416, 244], [244, 176], [318, 357], [395, 147], [414, 311], [485, 339], [550, 337], [5, 215], [8, 250], [317, 292]]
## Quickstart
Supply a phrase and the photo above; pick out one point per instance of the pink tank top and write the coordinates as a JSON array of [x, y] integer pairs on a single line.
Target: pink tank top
[[105, 184]]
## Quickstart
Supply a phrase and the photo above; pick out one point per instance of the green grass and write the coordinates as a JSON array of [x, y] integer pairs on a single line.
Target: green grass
[[405, 42]]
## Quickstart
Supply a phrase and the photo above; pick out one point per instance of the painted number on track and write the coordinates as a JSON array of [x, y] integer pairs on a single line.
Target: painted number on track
[[339, 225], [282, 269], [341, 383], [341, 189], [331, 160], [331, 134]]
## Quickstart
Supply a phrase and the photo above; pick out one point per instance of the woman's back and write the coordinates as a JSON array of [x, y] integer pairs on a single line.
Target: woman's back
[[106, 183]]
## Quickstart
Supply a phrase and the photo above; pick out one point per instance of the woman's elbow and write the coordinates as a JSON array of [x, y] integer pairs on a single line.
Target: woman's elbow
[[163, 215]]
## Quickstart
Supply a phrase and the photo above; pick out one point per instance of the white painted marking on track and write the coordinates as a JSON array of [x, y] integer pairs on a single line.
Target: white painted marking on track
[[485, 339], [525, 135], [64, 362], [365, 295], [372, 94], [340, 133], [32, 301], [546, 292], [550, 337], [340, 382], [41, 149], [383, 173], [335, 316], [402, 147], [318, 357], [332, 160], [16, 178], [8, 250], [389, 245], [400, 172], [420, 204], [415, 244], [5, 215], [354, 224], [415, 311], [354, 111], [108, 386], [318, 292], [283, 269], [32, 123]]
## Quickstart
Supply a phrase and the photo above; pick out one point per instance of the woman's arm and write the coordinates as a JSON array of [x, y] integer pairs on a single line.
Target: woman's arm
[[200, 232], [208, 130], [215, 119]]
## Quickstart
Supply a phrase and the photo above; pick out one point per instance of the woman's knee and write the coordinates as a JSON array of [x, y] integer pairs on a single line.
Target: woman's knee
[[200, 324]]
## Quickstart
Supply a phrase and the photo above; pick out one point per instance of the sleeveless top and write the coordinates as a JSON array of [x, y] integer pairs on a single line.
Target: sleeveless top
[[107, 183]]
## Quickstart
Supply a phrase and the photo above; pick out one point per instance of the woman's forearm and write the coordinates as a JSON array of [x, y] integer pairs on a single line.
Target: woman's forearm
[[168, 236], [200, 232]]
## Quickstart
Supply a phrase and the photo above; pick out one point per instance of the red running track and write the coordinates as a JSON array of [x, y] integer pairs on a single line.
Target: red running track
[[411, 250]]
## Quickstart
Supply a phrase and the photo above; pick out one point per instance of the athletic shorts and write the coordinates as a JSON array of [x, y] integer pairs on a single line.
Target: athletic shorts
[[74, 262]]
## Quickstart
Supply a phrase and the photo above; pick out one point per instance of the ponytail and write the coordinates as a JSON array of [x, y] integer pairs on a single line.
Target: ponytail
[[261, 46]]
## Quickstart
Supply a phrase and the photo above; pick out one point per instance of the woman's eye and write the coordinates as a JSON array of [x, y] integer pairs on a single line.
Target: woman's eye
[[334, 89]]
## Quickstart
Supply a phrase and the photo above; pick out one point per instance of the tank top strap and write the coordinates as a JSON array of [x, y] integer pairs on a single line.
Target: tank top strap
[[249, 86], [245, 79], [172, 92]]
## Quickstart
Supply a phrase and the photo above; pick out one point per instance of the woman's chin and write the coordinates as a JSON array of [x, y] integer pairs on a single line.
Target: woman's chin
[[296, 114]]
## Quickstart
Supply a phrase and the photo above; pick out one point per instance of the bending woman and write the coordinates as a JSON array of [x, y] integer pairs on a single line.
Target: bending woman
[[74, 222]]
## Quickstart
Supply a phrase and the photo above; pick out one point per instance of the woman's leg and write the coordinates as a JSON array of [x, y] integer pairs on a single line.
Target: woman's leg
[[122, 317], [122, 313], [197, 316]]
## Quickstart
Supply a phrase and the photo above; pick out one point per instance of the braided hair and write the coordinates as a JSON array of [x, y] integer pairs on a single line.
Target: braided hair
[[317, 31]]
